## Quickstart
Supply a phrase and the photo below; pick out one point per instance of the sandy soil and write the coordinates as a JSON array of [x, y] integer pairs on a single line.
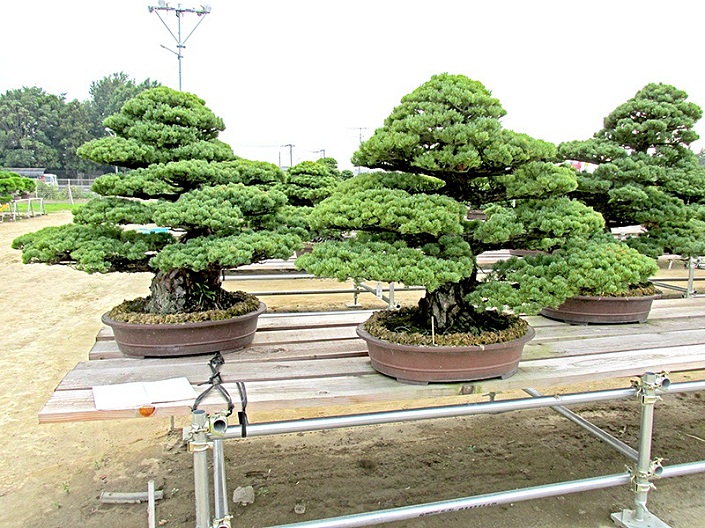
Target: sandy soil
[[52, 475]]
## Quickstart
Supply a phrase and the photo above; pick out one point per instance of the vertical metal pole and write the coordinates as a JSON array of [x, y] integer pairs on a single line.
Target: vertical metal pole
[[198, 445], [220, 490], [691, 276], [392, 304], [179, 45], [151, 517], [646, 469]]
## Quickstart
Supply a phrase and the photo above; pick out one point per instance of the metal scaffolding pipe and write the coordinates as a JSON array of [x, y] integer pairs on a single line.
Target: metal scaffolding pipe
[[220, 490], [199, 446], [607, 438], [354, 420], [491, 499], [468, 409]]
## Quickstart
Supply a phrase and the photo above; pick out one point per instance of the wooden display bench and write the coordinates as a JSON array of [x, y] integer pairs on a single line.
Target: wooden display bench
[[300, 363]]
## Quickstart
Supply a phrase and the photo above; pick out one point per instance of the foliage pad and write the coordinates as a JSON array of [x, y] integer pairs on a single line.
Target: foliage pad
[[213, 210], [443, 151]]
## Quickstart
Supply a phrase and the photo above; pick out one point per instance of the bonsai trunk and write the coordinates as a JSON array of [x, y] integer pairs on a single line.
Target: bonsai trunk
[[448, 307], [183, 290]]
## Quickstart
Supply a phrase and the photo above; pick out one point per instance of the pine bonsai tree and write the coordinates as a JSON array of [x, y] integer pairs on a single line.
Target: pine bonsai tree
[[13, 185], [443, 151], [215, 211], [646, 175], [308, 183]]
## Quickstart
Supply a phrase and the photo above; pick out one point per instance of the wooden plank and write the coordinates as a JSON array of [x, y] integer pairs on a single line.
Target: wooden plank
[[288, 320], [125, 371], [77, 405], [655, 327], [106, 350], [663, 308], [316, 360], [109, 349], [308, 366], [537, 349]]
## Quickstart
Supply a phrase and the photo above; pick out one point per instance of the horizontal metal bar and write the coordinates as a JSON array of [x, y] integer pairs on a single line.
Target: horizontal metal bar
[[303, 292], [490, 499], [468, 503], [268, 276], [449, 411], [467, 409]]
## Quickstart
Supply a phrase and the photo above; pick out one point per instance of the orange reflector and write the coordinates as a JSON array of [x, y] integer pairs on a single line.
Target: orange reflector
[[147, 410]]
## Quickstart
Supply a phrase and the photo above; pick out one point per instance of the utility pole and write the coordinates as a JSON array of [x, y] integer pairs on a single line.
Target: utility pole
[[180, 44], [291, 153], [322, 152], [360, 129]]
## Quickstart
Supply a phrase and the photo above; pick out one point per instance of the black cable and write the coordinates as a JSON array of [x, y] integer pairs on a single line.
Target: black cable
[[216, 381]]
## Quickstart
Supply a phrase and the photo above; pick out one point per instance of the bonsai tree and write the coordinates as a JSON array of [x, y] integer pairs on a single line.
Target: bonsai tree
[[441, 152], [13, 185], [642, 172], [202, 210], [308, 183]]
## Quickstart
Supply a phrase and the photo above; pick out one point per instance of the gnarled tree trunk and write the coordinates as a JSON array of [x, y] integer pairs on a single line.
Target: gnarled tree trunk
[[448, 307], [183, 290]]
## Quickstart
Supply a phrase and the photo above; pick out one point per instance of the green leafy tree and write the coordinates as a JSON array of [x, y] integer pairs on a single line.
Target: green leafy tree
[[645, 173], [72, 132], [218, 210], [443, 151], [107, 96], [29, 122]]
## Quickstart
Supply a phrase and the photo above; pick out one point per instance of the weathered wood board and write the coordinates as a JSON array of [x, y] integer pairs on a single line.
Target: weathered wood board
[[302, 361]]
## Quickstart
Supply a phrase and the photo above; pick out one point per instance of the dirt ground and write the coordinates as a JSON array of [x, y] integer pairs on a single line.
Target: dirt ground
[[52, 475]]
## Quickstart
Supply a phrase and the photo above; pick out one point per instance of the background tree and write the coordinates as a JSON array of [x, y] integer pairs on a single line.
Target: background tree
[[29, 121], [646, 173], [38, 129], [73, 130], [219, 210], [443, 150], [107, 96]]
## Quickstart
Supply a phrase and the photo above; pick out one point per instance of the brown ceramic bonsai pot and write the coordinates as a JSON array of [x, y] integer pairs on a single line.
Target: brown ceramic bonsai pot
[[584, 309], [424, 364], [185, 339]]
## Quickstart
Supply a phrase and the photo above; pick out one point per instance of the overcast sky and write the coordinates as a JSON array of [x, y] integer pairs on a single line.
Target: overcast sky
[[320, 74]]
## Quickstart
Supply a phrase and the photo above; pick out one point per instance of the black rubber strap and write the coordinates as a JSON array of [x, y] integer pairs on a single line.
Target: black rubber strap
[[216, 381]]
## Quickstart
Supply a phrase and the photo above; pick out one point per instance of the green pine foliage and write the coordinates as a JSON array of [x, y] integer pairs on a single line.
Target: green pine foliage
[[309, 182], [646, 174], [444, 151], [12, 185], [214, 210]]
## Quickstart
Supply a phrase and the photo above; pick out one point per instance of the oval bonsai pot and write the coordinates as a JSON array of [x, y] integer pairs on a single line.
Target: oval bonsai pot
[[424, 364], [585, 309], [185, 339]]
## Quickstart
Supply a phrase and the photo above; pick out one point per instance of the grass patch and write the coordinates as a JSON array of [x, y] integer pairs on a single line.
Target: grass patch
[[53, 207]]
